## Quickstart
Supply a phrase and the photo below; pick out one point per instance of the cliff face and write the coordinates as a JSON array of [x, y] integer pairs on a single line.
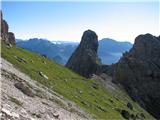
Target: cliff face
[[84, 60], [6, 36], [139, 72]]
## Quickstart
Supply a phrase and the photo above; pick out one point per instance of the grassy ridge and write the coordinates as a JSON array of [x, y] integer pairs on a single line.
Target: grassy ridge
[[69, 84]]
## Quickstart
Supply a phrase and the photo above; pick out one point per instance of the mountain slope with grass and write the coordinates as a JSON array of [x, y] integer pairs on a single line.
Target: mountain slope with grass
[[26, 99], [99, 100]]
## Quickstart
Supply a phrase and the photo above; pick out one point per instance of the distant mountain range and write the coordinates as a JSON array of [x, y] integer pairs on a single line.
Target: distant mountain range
[[109, 50]]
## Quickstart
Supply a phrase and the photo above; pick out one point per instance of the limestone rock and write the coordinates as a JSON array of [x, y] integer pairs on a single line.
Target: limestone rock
[[11, 38], [4, 26], [6, 36], [43, 75], [24, 88], [139, 72], [84, 60]]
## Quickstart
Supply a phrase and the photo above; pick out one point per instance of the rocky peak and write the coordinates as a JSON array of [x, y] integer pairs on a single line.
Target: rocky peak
[[6, 36], [139, 72], [145, 47], [89, 41], [84, 60]]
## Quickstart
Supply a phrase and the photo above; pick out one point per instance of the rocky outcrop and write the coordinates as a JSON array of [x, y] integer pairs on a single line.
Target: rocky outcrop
[[84, 60], [139, 72], [4, 29], [11, 38], [6, 36]]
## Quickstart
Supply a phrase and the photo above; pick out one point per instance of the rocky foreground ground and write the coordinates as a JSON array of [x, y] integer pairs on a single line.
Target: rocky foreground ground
[[24, 99]]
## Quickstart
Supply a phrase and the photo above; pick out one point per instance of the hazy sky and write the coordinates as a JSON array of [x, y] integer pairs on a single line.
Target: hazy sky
[[121, 21]]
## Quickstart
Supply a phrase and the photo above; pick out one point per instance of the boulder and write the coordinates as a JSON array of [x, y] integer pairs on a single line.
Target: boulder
[[43, 75], [84, 60], [24, 88], [20, 59], [125, 114], [139, 72]]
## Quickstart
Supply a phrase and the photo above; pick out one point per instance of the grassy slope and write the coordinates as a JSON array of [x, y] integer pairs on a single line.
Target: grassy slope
[[68, 84]]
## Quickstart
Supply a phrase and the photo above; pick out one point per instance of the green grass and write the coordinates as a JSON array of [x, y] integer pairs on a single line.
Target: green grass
[[69, 84]]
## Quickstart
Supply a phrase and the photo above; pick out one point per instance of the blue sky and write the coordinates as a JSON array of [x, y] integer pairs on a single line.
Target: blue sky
[[67, 21]]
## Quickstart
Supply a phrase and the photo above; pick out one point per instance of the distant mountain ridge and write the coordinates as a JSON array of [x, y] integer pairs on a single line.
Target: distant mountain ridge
[[57, 52], [109, 50]]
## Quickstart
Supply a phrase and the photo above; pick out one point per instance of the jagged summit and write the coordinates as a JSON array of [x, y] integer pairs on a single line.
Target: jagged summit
[[89, 40], [85, 60], [146, 47]]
